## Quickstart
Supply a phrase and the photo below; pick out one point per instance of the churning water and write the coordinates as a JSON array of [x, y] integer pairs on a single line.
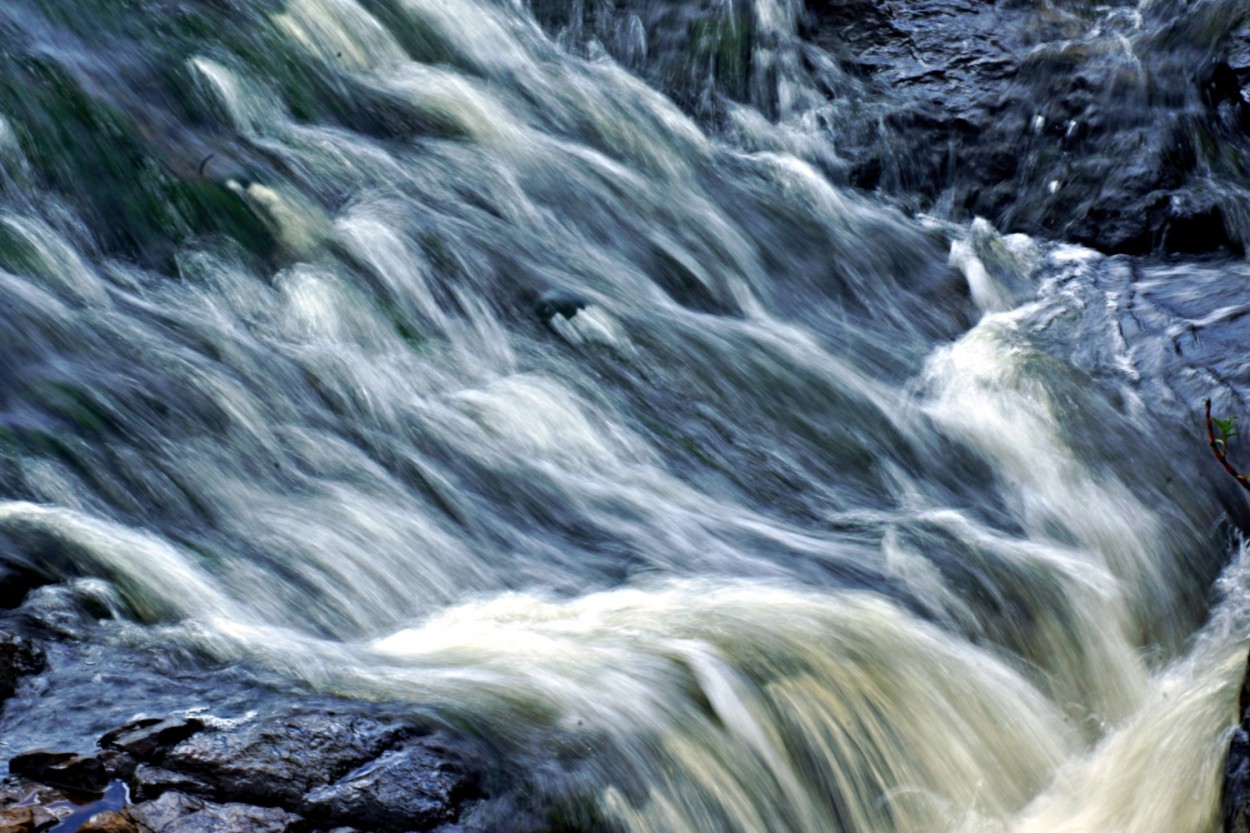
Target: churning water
[[407, 350]]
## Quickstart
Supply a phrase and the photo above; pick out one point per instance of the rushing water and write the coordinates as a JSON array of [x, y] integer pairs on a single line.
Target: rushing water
[[406, 350]]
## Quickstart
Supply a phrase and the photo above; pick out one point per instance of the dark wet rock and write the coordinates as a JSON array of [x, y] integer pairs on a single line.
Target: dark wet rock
[[148, 739], [1235, 800], [117, 765], [338, 768], [19, 657], [158, 814], [16, 582], [65, 770], [176, 813], [1235, 792], [277, 760], [413, 788], [1047, 123], [1107, 128]]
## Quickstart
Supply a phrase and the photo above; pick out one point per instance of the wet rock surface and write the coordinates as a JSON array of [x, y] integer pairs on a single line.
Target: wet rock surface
[[177, 813], [19, 657], [418, 786], [301, 771], [148, 738], [1120, 128], [1118, 139], [64, 770], [1235, 794], [278, 761]]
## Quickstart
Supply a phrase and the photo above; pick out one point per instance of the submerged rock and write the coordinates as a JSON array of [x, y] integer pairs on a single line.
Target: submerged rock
[[1236, 795], [563, 303]]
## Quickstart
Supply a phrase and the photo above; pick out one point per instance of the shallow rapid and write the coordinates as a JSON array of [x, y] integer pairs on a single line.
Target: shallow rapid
[[410, 351]]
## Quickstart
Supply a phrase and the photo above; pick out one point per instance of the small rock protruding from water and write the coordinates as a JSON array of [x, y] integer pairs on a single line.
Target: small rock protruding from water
[[577, 319], [560, 302]]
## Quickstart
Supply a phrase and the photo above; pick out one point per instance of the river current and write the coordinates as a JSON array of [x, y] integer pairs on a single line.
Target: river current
[[422, 351]]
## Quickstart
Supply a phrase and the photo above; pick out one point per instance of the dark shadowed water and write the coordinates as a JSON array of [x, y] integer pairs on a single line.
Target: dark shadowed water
[[437, 352]]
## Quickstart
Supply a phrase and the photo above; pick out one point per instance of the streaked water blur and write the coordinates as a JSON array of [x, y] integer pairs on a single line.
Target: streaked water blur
[[402, 350]]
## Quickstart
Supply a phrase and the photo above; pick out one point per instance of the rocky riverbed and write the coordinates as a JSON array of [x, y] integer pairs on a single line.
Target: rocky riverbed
[[344, 766]]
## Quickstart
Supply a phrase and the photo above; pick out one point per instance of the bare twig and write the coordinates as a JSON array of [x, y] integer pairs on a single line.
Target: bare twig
[[1219, 452]]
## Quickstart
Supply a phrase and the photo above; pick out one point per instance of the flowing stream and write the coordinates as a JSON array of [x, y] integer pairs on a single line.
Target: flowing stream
[[409, 350]]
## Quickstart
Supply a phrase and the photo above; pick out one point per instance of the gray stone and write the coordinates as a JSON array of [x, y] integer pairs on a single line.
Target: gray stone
[[177, 813], [277, 760], [164, 811], [413, 788], [150, 782]]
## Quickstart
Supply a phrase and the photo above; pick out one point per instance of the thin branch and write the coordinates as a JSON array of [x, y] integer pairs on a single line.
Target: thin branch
[[1219, 452]]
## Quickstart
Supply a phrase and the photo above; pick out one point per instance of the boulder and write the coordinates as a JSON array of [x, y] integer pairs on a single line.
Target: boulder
[[413, 788], [278, 760]]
